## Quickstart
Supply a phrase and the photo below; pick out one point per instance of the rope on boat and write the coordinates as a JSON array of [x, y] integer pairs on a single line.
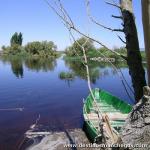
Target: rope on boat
[[101, 119], [64, 17], [110, 129], [85, 63], [99, 113], [68, 23], [121, 76], [118, 70]]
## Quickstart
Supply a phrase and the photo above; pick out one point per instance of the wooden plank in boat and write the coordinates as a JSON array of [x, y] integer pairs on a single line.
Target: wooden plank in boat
[[112, 116]]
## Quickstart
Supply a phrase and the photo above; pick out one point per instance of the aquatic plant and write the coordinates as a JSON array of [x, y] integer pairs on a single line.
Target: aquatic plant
[[66, 75]]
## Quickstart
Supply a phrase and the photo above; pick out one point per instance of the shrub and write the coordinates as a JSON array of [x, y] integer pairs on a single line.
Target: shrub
[[14, 49], [43, 49]]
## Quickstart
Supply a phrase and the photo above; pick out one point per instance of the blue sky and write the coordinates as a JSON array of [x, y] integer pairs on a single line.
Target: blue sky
[[34, 19]]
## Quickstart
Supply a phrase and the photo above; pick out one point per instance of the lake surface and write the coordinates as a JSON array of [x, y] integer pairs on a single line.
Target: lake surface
[[35, 85]]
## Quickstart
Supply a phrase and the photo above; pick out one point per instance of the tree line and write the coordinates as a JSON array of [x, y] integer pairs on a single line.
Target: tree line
[[75, 50], [35, 48]]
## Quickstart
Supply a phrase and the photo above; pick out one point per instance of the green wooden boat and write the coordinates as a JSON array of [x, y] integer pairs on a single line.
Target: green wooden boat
[[114, 108]]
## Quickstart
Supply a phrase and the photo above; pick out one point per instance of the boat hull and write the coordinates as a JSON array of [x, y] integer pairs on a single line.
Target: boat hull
[[108, 104]]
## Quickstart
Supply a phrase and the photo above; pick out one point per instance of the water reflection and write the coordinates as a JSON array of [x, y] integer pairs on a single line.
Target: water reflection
[[16, 64], [37, 64], [42, 92], [96, 69], [34, 64], [79, 70], [17, 67]]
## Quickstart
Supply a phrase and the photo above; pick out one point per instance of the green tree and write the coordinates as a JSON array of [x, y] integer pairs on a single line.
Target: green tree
[[16, 39], [76, 48], [43, 48], [20, 39]]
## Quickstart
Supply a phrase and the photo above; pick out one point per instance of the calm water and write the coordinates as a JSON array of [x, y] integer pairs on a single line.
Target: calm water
[[35, 86]]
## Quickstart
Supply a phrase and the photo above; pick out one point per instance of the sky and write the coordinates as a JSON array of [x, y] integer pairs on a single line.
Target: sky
[[38, 23]]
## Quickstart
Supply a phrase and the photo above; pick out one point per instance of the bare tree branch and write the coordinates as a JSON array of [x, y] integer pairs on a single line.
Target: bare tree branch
[[68, 23], [96, 22], [57, 13], [121, 39], [118, 30], [113, 4], [71, 26], [65, 12], [98, 42], [117, 17]]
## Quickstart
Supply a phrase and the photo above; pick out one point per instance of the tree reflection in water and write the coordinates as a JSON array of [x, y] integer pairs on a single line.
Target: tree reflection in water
[[17, 67], [34, 64], [41, 64], [96, 69]]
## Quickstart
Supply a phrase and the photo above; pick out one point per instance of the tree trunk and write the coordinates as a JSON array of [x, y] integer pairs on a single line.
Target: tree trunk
[[146, 28], [134, 59]]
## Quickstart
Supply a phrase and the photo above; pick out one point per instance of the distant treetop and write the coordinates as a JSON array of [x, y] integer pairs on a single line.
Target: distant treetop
[[16, 39]]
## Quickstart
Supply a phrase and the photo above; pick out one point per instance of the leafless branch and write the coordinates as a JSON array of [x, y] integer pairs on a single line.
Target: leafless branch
[[64, 21], [82, 46], [101, 25], [68, 24], [121, 39], [96, 22], [63, 10], [118, 30], [108, 28], [113, 4], [118, 17], [87, 68]]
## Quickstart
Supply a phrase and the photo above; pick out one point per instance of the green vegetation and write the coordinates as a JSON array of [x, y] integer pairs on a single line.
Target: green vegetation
[[16, 45], [13, 50], [75, 51], [44, 49], [16, 39], [99, 52], [92, 51], [66, 75]]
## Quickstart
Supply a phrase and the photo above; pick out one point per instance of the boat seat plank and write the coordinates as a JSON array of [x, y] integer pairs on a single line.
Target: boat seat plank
[[113, 124], [106, 109], [112, 116]]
